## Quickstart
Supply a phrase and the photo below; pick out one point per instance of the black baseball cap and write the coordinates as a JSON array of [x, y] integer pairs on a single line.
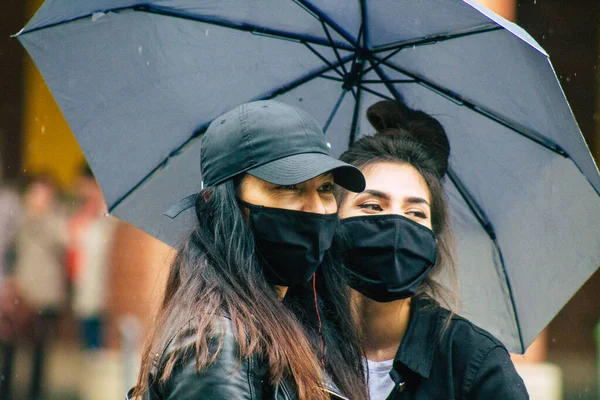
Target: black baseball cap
[[272, 141]]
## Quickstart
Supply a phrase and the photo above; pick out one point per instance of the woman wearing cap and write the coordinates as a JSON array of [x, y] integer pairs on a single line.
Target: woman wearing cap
[[266, 216], [398, 240]]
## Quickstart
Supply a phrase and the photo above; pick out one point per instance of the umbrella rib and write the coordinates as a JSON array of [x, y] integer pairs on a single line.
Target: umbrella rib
[[376, 93], [443, 37], [365, 28], [332, 78], [318, 14], [459, 100], [302, 80], [356, 70], [326, 61], [52, 25], [375, 81], [335, 109], [333, 46], [379, 61], [355, 115], [391, 88], [356, 53], [489, 229], [257, 30], [254, 29], [198, 132]]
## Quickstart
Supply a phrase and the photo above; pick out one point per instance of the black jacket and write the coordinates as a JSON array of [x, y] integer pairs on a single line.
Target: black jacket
[[465, 362], [224, 379]]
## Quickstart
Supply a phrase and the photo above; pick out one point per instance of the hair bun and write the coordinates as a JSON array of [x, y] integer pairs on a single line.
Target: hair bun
[[394, 118]]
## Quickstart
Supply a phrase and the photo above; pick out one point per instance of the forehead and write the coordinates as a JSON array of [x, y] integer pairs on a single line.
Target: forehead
[[398, 180]]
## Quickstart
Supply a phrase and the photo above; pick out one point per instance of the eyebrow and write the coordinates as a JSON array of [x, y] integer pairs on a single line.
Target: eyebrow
[[417, 200], [385, 196], [375, 193]]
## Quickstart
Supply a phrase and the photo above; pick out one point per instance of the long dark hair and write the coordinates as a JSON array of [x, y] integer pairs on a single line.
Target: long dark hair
[[334, 335], [404, 135], [216, 271]]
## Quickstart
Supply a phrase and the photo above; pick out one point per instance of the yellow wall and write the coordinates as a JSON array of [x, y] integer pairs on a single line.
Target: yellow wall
[[504, 8], [49, 145]]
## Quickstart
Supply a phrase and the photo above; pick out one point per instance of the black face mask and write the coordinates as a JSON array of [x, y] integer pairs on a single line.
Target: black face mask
[[290, 244], [388, 255]]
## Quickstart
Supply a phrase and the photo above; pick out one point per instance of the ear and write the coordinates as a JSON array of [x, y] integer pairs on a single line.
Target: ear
[[207, 195]]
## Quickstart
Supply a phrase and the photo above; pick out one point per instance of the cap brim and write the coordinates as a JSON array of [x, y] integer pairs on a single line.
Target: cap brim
[[303, 167]]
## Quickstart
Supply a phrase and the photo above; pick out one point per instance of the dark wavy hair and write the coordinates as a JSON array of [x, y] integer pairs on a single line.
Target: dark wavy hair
[[333, 334], [217, 271], [404, 135]]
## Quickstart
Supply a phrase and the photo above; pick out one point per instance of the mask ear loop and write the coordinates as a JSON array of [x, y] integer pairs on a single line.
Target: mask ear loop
[[314, 281]]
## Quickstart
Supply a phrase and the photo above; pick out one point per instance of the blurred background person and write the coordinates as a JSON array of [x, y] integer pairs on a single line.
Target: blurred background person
[[9, 211], [10, 313], [39, 269], [90, 242]]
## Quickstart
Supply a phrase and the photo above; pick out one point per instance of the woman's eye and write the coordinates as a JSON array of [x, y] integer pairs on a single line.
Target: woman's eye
[[371, 206], [418, 214], [287, 187], [326, 188]]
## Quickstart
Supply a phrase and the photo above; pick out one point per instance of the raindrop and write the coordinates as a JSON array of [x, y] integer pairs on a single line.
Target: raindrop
[[43, 130], [140, 49], [147, 63], [206, 32], [16, 301], [543, 36], [568, 79], [534, 1]]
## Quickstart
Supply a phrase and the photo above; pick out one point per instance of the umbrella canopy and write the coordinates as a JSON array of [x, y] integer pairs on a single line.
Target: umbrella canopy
[[139, 81]]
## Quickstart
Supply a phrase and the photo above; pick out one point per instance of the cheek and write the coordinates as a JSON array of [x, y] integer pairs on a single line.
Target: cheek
[[331, 206], [254, 193], [346, 210]]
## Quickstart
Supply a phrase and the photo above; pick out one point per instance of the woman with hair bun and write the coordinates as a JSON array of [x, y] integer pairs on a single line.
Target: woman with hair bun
[[398, 239]]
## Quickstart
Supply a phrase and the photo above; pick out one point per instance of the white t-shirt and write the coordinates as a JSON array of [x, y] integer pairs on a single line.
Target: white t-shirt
[[379, 379]]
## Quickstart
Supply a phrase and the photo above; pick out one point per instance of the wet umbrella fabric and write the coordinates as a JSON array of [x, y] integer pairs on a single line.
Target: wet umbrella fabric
[[139, 81]]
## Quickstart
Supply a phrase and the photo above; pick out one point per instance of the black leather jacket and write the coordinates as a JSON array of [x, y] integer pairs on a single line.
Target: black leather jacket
[[224, 379]]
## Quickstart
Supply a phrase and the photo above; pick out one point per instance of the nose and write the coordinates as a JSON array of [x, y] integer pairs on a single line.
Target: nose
[[396, 209], [313, 203]]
